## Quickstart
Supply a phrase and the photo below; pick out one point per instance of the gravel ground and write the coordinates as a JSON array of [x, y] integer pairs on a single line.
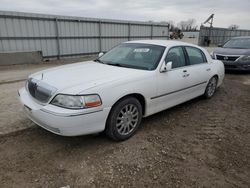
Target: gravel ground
[[201, 143]]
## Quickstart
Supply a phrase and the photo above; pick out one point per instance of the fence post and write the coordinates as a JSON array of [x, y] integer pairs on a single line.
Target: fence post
[[168, 32], [129, 31], [224, 37], [57, 39], [151, 31], [100, 36]]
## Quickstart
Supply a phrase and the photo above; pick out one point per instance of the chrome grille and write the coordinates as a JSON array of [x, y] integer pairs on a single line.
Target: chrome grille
[[226, 58], [39, 90]]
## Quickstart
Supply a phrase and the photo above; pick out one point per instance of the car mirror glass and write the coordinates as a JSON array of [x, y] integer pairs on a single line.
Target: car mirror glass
[[166, 66], [169, 65]]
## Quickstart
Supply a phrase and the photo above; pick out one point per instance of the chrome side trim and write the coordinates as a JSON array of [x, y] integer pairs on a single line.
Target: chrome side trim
[[178, 90], [70, 115]]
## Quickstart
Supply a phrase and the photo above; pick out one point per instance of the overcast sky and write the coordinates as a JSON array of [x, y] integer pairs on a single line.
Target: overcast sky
[[226, 12]]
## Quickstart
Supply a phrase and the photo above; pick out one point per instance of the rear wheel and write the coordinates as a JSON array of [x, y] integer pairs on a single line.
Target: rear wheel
[[211, 87], [124, 119]]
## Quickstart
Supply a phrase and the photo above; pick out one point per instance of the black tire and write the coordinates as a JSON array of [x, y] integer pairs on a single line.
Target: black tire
[[211, 87], [116, 119]]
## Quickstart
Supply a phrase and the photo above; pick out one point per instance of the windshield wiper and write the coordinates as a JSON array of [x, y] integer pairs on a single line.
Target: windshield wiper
[[116, 64], [127, 66], [99, 61]]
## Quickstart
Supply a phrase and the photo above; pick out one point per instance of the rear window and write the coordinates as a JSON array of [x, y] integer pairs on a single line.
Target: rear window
[[195, 55]]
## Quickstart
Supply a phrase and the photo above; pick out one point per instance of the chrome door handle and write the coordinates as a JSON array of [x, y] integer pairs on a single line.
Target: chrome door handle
[[185, 73], [208, 69]]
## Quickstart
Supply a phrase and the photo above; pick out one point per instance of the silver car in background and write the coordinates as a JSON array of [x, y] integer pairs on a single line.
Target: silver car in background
[[235, 53]]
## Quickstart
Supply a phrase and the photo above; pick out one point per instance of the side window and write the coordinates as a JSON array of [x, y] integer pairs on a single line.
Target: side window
[[176, 55], [195, 55]]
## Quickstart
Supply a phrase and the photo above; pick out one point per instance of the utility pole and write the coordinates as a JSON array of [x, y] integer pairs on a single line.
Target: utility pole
[[210, 21]]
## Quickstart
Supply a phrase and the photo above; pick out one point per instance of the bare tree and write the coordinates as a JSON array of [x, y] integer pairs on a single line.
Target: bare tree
[[234, 26], [188, 25], [182, 25], [171, 25]]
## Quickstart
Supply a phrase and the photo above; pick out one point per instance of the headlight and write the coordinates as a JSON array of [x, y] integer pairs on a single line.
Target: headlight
[[245, 59], [77, 101]]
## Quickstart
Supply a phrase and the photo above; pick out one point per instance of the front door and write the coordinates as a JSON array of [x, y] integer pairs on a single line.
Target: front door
[[171, 84]]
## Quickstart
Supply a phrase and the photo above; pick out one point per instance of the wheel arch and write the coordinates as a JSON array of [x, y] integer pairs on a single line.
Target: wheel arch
[[108, 129], [217, 77], [138, 96]]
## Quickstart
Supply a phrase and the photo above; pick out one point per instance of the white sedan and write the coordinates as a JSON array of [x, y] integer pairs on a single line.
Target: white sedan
[[114, 92]]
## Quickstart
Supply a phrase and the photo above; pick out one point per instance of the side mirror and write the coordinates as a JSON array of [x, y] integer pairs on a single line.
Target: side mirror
[[220, 45], [212, 55], [166, 66], [100, 54]]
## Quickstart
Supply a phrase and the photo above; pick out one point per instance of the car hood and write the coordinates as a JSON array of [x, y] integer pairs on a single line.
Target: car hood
[[232, 51], [77, 77]]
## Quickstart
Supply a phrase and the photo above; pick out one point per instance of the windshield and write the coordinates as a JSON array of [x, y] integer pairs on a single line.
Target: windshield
[[134, 55], [243, 43]]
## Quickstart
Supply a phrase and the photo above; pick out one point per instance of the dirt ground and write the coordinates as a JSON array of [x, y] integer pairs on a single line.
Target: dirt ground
[[201, 143], [16, 73]]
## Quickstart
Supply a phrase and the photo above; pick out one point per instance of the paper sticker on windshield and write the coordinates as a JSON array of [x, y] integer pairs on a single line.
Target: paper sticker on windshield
[[141, 50]]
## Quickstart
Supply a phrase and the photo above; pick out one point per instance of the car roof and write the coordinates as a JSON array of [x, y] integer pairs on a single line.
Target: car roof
[[164, 43]]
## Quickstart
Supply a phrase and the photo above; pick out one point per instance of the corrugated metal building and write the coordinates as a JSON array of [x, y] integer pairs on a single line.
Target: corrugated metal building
[[219, 35], [63, 36]]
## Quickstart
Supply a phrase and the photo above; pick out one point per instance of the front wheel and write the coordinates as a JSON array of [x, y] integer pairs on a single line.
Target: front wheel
[[211, 87], [124, 119]]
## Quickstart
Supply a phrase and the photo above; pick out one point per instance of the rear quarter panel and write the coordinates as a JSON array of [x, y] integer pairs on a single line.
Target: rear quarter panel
[[217, 67]]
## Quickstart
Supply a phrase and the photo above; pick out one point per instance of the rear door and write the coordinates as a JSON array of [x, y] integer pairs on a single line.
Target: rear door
[[198, 70]]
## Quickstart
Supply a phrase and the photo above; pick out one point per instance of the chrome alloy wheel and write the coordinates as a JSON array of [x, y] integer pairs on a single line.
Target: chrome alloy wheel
[[211, 86], [127, 119]]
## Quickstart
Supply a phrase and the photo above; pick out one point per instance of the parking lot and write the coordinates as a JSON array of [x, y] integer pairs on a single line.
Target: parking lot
[[201, 143]]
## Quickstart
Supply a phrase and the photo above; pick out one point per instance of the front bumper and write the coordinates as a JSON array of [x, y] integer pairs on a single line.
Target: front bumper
[[236, 66], [62, 121]]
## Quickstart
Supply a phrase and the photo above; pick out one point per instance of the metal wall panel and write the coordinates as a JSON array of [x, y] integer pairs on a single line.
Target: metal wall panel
[[160, 31], [219, 35], [63, 36], [140, 30], [107, 44], [114, 29]]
